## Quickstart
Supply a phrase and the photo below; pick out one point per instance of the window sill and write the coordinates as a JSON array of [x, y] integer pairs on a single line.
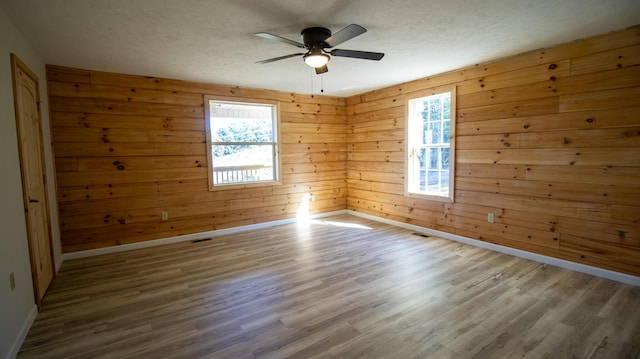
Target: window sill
[[222, 187], [428, 197]]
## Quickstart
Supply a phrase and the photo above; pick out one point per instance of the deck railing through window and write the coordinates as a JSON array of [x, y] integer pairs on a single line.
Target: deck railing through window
[[241, 174]]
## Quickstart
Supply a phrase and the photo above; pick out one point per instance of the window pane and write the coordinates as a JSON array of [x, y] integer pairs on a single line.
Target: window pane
[[444, 181], [422, 158], [445, 158], [235, 122], [434, 132], [243, 163], [432, 181], [433, 158], [425, 110], [446, 111], [241, 130], [435, 111], [423, 123], [242, 155], [446, 131]]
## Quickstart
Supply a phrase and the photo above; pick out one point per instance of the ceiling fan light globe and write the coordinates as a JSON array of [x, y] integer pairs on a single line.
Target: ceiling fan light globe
[[316, 60]]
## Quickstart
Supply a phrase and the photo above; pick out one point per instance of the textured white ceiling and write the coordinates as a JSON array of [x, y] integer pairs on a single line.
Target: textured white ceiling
[[213, 40]]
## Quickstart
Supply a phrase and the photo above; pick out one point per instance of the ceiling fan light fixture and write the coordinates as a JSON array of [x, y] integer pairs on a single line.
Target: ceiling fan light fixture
[[315, 58]]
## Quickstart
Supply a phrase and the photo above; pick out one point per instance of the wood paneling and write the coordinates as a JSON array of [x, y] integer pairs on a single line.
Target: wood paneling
[[129, 147], [549, 141]]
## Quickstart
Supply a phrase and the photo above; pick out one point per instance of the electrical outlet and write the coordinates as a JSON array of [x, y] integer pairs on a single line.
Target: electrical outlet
[[12, 281], [491, 218], [165, 215], [312, 198]]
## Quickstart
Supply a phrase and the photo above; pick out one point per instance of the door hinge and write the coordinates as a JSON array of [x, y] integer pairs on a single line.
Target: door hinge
[[38, 105]]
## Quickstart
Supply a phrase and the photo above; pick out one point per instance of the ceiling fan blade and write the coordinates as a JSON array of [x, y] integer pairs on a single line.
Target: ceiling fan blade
[[358, 54], [278, 58], [268, 36], [345, 34], [321, 69]]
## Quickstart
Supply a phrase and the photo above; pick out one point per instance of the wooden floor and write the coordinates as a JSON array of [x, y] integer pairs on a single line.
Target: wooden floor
[[338, 287]]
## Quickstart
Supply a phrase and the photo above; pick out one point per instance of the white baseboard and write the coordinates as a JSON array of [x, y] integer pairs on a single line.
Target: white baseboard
[[59, 263], [583, 268], [22, 335], [188, 237]]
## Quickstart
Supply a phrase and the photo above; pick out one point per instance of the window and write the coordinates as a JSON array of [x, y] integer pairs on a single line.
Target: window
[[242, 142], [430, 146]]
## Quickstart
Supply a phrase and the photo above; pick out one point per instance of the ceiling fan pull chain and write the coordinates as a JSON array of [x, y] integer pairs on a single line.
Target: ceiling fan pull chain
[[322, 83], [312, 85]]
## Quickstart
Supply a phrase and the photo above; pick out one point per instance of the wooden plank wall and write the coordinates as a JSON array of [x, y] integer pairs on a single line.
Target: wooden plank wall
[[549, 141], [129, 147]]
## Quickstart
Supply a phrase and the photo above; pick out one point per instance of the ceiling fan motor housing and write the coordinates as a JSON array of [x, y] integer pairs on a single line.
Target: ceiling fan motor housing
[[315, 36]]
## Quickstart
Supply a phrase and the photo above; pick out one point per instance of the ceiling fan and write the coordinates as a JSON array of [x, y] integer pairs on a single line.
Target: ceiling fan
[[316, 40]]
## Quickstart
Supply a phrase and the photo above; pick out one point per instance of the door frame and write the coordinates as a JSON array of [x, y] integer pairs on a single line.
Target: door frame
[[18, 65]]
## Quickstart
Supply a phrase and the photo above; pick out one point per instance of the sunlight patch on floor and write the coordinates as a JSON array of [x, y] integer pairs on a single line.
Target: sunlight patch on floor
[[303, 216], [340, 224]]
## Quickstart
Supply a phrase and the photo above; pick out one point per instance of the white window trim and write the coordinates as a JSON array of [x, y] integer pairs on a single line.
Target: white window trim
[[409, 153], [276, 148]]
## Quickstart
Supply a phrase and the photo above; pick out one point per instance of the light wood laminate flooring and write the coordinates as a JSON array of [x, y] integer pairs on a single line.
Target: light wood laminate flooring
[[341, 287]]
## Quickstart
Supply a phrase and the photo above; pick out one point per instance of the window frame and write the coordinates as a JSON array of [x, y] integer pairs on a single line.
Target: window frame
[[410, 146], [275, 149]]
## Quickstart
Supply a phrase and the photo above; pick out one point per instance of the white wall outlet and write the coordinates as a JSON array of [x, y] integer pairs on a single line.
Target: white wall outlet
[[165, 215], [491, 218], [312, 198]]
